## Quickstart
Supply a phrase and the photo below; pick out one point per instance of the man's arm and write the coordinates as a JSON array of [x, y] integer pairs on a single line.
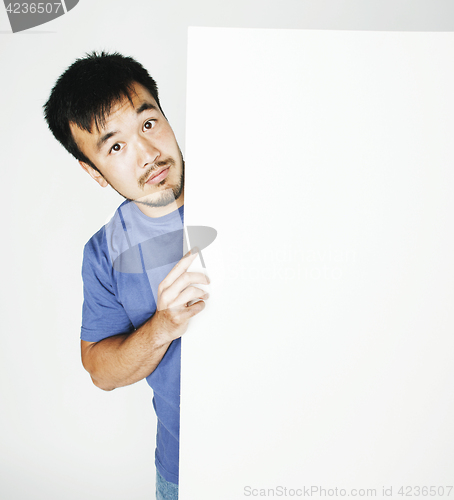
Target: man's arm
[[127, 358]]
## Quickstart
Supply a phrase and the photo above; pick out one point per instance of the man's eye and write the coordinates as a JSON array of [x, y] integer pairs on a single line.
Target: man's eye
[[115, 148], [149, 124]]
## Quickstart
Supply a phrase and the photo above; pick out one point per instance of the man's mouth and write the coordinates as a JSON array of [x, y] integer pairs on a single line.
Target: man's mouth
[[158, 176]]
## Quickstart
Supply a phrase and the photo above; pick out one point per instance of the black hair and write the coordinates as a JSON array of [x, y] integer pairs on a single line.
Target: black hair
[[85, 92]]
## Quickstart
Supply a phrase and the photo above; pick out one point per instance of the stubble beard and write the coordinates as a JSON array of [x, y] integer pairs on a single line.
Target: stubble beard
[[165, 197], [168, 196]]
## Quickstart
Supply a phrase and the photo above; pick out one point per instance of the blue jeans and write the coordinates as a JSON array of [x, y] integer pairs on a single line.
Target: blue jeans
[[164, 489]]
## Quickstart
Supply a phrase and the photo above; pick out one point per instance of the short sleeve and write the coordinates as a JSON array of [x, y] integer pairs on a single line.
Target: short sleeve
[[102, 314]]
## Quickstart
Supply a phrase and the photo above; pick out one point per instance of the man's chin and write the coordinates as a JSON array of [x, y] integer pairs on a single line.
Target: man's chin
[[161, 199]]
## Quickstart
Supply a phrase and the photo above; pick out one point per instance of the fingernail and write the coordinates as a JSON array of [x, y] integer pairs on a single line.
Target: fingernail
[[195, 250]]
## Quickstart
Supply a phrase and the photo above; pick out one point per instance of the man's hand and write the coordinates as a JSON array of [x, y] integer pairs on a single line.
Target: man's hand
[[178, 300], [127, 358]]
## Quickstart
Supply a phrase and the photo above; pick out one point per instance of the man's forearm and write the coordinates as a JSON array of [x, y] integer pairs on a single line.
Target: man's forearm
[[125, 359]]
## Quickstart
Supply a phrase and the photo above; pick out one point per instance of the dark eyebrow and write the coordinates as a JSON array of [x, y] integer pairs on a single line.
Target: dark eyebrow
[[103, 139], [143, 107], [146, 105]]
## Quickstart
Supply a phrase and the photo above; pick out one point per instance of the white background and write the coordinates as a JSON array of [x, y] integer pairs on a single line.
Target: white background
[[325, 165], [61, 437]]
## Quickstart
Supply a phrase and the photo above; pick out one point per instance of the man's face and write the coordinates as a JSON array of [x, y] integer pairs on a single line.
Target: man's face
[[136, 151]]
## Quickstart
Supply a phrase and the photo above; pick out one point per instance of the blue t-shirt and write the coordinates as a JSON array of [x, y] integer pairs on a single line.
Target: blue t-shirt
[[124, 263]]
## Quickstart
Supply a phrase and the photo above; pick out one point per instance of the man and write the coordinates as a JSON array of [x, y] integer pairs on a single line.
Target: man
[[138, 293]]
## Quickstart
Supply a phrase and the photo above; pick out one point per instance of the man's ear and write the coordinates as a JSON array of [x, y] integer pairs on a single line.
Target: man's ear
[[94, 174]]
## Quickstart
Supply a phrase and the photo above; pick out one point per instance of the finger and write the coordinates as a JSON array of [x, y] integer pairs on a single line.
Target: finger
[[194, 308], [185, 313], [185, 280], [189, 294], [180, 267]]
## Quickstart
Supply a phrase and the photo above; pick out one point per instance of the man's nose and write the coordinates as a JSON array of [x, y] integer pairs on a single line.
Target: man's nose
[[147, 153]]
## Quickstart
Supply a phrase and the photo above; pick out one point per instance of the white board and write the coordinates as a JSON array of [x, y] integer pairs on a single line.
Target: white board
[[324, 358]]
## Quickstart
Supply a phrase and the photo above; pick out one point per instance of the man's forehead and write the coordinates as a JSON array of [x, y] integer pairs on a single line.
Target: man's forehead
[[138, 99]]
